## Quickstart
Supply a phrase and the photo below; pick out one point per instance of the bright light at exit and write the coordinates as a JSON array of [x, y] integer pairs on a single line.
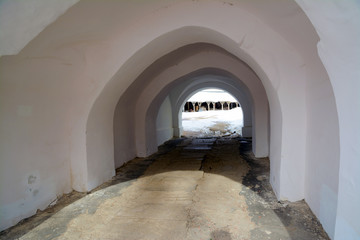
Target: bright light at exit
[[212, 112]]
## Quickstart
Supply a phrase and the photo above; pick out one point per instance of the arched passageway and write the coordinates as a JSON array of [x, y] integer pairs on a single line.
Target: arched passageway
[[286, 178], [89, 93]]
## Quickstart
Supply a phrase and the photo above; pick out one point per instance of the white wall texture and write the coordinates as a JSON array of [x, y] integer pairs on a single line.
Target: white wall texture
[[21, 21], [164, 129], [337, 24], [64, 96]]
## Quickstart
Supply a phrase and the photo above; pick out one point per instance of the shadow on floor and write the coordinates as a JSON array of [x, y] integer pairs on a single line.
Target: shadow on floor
[[269, 215], [124, 176]]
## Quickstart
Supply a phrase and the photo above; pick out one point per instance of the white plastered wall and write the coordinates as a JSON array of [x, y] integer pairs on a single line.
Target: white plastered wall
[[21, 21], [164, 129], [97, 48], [337, 24]]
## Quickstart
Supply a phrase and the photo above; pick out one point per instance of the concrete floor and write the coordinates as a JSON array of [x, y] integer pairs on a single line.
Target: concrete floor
[[210, 188]]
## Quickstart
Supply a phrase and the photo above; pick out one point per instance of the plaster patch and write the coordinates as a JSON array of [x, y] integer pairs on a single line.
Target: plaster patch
[[31, 179], [35, 192]]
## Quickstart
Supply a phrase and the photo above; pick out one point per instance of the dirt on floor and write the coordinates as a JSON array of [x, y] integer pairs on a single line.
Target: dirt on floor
[[193, 188]]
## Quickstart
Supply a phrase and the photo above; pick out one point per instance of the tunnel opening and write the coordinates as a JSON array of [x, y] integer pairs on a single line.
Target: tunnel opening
[[212, 112]]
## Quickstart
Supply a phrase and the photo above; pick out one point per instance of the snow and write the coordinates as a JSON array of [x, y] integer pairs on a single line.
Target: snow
[[212, 123]]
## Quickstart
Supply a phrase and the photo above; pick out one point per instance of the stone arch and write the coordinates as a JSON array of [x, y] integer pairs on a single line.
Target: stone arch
[[204, 61], [106, 102], [109, 165]]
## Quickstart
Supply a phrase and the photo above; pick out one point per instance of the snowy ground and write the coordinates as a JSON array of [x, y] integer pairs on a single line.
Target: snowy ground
[[212, 123]]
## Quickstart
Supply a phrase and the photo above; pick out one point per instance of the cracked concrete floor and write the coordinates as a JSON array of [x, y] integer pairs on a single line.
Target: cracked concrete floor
[[210, 188]]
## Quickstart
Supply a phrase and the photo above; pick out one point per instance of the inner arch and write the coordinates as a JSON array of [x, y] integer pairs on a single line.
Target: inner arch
[[267, 73], [216, 78]]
